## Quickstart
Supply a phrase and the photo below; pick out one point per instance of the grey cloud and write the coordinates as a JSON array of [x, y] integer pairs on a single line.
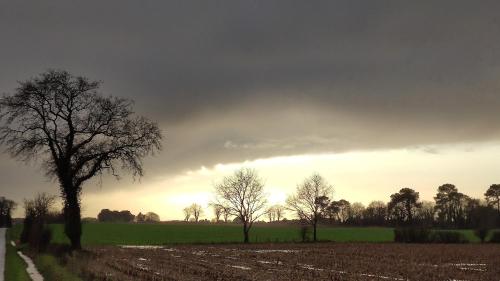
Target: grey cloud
[[275, 77]]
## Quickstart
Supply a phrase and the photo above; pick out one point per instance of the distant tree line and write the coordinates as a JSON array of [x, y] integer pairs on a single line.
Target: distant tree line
[[450, 209], [241, 196], [106, 215]]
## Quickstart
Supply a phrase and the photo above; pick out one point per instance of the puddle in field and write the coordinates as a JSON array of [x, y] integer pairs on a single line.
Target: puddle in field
[[199, 253], [462, 266], [273, 251], [140, 247], [309, 267], [271, 262], [380, 276], [240, 267], [472, 269]]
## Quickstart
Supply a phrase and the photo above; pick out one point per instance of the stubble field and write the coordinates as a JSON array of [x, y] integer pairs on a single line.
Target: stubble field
[[321, 261]]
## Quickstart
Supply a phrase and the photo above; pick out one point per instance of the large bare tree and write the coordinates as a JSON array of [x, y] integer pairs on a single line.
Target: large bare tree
[[311, 200], [243, 194], [62, 120]]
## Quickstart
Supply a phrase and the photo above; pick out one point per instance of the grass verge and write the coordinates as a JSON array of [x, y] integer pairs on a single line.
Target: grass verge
[[50, 269], [15, 268]]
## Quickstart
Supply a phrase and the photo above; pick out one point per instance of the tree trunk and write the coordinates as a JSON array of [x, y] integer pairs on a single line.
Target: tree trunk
[[314, 231], [410, 215], [8, 219], [245, 233], [72, 219]]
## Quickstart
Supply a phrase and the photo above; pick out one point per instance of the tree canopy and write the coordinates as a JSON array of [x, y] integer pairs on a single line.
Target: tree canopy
[[243, 194], [64, 121]]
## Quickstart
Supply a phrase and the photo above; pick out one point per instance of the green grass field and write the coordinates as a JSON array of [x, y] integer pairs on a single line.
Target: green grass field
[[160, 234]]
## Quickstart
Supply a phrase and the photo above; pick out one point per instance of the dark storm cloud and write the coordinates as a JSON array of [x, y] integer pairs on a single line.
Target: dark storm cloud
[[236, 80]]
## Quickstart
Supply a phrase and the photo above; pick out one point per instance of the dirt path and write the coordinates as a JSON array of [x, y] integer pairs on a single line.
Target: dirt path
[[2, 252]]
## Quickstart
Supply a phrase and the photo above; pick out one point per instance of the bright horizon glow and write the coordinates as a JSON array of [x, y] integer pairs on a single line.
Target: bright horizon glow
[[361, 176]]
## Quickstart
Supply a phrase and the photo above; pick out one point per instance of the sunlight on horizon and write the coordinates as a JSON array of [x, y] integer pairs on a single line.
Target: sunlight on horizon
[[361, 176]]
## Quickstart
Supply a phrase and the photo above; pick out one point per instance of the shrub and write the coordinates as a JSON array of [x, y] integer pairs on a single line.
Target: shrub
[[411, 235], [446, 236], [495, 237], [27, 226], [304, 233], [45, 239], [35, 231], [481, 233]]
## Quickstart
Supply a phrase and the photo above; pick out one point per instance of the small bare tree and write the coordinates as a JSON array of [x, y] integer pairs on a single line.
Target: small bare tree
[[275, 212], [36, 212], [196, 210], [187, 213], [225, 213], [243, 194], [279, 211], [218, 210], [311, 199], [78, 134], [271, 213]]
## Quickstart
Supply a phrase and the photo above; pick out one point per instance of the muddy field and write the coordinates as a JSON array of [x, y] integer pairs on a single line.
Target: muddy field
[[323, 261]]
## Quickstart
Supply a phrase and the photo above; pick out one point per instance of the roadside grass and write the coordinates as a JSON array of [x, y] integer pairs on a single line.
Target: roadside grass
[[50, 269], [15, 267]]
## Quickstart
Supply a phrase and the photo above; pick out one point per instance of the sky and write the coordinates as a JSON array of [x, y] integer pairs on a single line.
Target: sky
[[373, 95]]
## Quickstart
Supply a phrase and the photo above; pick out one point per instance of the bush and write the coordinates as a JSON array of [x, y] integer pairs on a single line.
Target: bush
[[481, 233], [45, 239], [28, 225], [304, 233], [35, 231], [495, 237], [412, 235], [445, 236]]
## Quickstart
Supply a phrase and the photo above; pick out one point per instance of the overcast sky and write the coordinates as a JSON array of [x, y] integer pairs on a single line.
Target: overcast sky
[[411, 83]]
